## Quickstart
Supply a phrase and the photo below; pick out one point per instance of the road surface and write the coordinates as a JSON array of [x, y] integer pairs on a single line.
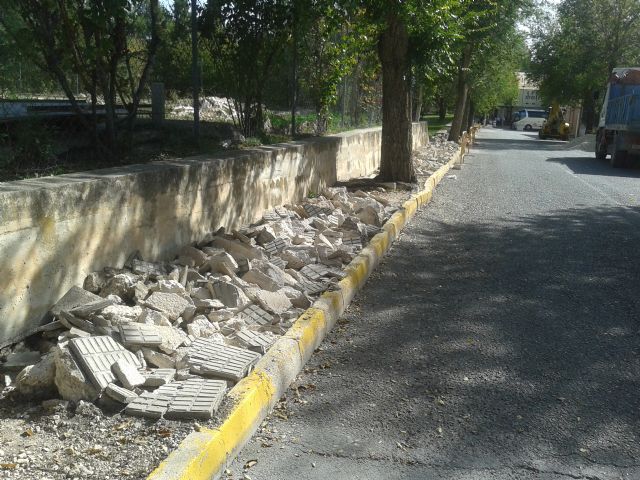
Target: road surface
[[498, 340]]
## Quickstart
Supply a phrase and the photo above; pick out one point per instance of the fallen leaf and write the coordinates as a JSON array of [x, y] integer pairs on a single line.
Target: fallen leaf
[[27, 433], [8, 466], [250, 464]]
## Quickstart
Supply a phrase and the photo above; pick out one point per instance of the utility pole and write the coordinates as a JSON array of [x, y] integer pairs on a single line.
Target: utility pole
[[195, 70]]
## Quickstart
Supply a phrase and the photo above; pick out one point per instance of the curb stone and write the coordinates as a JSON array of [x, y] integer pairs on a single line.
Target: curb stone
[[203, 455]]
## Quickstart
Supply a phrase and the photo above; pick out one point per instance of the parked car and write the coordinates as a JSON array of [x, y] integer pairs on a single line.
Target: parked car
[[529, 119]]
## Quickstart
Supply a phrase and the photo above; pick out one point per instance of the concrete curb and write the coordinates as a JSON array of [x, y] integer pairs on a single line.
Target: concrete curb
[[205, 454]]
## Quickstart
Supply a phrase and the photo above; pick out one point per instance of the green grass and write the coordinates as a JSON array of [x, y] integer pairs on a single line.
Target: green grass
[[435, 123]]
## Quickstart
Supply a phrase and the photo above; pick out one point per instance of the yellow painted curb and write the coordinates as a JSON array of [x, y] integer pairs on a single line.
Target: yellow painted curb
[[205, 454]]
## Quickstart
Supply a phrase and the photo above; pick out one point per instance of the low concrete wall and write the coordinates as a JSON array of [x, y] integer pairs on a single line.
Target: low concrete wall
[[55, 230]]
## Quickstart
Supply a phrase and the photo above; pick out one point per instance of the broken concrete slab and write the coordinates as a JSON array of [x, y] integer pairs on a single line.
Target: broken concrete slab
[[87, 309], [153, 270], [154, 317], [38, 381], [75, 297], [120, 314], [170, 304], [230, 295], [157, 359], [262, 280], [121, 285], [71, 382], [273, 302], [127, 373], [19, 360], [95, 355], [120, 394], [158, 376], [197, 256], [238, 249]]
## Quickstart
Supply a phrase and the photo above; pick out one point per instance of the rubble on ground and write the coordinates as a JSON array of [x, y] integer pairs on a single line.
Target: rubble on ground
[[115, 348], [169, 338]]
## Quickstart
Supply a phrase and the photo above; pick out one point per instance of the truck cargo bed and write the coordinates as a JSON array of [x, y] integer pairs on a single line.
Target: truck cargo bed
[[623, 113]]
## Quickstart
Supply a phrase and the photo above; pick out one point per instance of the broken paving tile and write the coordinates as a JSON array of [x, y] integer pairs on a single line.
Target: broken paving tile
[[171, 304], [255, 341], [146, 268], [314, 210], [120, 394], [158, 376], [128, 374], [254, 314], [270, 216], [197, 398], [275, 246], [85, 310], [139, 334], [315, 271], [312, 287], [227, 362], [150, 405], [278, 262], [96, 355], [75, 297]]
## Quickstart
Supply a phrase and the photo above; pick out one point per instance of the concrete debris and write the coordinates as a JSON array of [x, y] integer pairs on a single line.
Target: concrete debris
[[127, 374], [165, 338], [71, 383], [120, 394], [38, 381], [171, 304]]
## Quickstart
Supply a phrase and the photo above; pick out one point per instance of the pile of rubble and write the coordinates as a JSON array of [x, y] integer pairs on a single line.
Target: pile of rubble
[[211, 108], [430, 157], [169, 339]]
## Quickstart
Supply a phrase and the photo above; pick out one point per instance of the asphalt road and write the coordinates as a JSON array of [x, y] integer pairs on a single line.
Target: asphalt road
[[498, 340]]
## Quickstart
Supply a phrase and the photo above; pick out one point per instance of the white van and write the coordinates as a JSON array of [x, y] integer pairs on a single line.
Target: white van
[[529, 120]]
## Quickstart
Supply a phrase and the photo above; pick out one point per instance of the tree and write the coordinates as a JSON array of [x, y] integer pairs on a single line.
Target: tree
[[246, 37], [574, 53], [109, 45], [484, 23]]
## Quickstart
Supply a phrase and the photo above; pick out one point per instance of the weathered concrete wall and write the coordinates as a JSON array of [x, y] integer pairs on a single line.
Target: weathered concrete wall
[[53, 231]]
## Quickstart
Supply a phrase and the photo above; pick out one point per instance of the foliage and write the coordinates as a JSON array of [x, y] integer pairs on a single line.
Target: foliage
[[109, 45], [575, 50]]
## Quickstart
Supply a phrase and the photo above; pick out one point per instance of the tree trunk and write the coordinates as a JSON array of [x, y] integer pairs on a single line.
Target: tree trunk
[[294, 72], [472, 113], [195, 71], [395, 156], [442, 107], [417, 103], [462, 92]]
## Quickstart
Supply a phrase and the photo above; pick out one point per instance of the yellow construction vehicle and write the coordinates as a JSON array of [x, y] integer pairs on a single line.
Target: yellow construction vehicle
[[555, 126]]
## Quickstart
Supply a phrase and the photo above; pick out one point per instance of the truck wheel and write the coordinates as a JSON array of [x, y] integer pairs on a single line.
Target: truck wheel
[[619, 158], [527, 128], [601, 147]]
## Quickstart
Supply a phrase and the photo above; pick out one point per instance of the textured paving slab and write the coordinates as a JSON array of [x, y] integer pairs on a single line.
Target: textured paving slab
[[278, 262], [255, 315], [95, 355], [197, 398], [314, 210], [139, 334], [221, 361], [255, 341], [275, 246], [313, 287], [315, 271], [150, 405]]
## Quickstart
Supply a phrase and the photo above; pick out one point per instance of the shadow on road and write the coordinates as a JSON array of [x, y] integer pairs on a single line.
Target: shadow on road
[[589, 165], [518, 339]]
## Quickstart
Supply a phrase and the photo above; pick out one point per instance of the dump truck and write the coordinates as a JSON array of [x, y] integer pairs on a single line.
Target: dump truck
[[619, 127]]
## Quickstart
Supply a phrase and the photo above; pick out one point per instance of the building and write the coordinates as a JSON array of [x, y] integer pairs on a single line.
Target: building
[[528, 93]]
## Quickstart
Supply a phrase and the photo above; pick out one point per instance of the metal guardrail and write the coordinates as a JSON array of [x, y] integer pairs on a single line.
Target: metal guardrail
[[623, 113]]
